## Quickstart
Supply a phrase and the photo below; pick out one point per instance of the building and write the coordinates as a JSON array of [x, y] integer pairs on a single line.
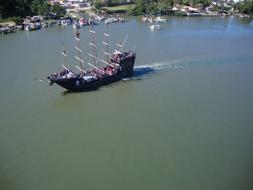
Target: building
[[55, 2]]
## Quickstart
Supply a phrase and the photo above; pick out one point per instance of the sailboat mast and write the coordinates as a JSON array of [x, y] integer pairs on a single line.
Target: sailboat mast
[[78, 48], [121, 45], [65, 56], [94, 47], [107, 44], [94, 56]]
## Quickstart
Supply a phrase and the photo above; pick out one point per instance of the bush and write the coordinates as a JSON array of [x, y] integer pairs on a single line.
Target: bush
[[98, 4], [138, 9], [17, 20], [246, 7], [180, 13]]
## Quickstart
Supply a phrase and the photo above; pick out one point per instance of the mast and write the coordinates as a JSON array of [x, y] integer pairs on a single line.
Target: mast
[[93, 44], [65, 56], [78, 48], [94, 55], [121, 45], [106, 43]]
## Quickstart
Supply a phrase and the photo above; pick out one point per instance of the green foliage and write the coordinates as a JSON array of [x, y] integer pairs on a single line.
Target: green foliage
[[139, 8], [60, 11], [98, 4], [22, 8], [179, 13], [17, 20], [220, 9], [152, 8], [246, 7], [163, 6], [40, 7]]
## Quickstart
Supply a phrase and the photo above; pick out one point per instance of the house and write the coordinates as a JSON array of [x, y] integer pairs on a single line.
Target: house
[[55, 2]]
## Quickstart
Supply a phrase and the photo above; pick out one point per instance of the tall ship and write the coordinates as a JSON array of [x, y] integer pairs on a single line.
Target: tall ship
[[98, 72]]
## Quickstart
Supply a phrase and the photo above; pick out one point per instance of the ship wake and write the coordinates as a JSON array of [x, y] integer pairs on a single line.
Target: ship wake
[[147, 70], [158, 67]]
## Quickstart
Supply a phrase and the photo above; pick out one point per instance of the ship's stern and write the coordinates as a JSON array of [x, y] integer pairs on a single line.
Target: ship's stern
[[127, 65]]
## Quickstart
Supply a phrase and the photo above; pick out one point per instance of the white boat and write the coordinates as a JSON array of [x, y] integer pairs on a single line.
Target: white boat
[[144, 19], [100, 18], [114, 20], [27, 27], [110, 20], [160, 19], [76, 25], [82, 21], [155, 27], [32, 26], [150, 20], [64, 22]]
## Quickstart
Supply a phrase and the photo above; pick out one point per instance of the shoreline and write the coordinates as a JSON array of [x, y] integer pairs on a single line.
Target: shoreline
[[11, 27]]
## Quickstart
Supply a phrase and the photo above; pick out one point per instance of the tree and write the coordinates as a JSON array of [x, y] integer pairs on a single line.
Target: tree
[[58, 10], [22, 8], [139, 8], [246, 7], [108, 3], [98, 4]]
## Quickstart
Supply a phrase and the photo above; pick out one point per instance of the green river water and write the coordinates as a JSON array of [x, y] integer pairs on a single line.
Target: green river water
[[183, 122]]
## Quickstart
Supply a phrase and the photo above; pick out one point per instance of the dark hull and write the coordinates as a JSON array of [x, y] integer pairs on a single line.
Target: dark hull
[[77, 84]]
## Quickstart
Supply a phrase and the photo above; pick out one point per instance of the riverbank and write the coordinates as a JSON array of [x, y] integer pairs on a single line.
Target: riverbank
[[28, 23], [176, 10], [77, 21]]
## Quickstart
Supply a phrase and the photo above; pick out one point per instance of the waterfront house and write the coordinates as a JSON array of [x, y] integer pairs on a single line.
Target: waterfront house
[[55, 2]]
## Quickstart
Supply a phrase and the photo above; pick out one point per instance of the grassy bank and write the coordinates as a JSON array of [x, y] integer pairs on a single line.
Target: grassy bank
[[11, 20], [118, 9]]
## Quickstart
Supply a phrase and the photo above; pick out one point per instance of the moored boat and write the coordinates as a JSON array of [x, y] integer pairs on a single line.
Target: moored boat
[[83, 22], [76, 25], [160, 19], [155, 27]]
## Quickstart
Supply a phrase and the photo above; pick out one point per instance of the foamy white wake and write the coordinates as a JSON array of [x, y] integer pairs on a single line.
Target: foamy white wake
[[159, 66], [172, 65], [143, 70]]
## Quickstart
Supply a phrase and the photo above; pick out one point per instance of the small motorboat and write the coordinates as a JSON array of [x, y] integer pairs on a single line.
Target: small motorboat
[[76, 25], [155, 27], [160, 19]]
